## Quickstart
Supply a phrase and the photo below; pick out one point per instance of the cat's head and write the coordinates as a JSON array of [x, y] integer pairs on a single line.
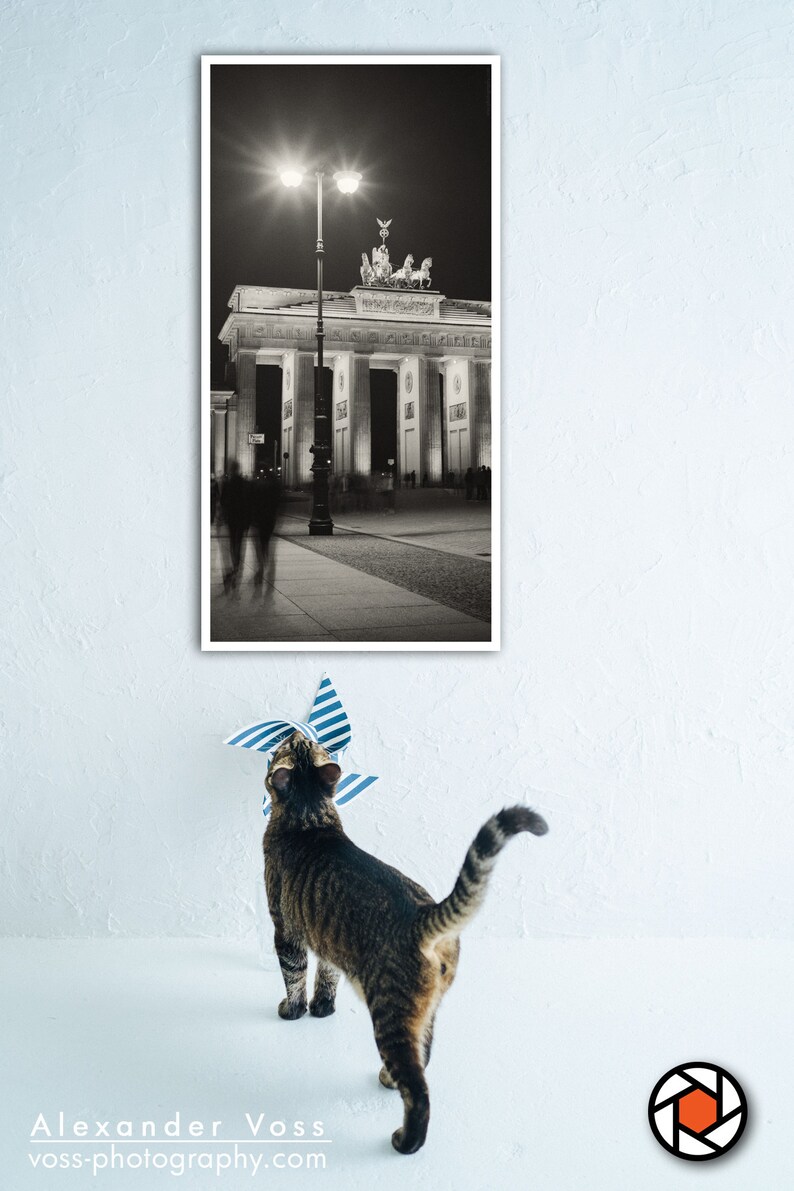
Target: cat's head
[[302, 776]]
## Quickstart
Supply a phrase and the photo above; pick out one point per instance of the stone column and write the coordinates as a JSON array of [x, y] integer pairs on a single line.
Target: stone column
[[480, 412], [407, 396], [212, 441], [231, 429], [246, 409], [340, 400], [303, 418], [360, 414], [429, 407], [457, 432], [288, 370], [219, 440]]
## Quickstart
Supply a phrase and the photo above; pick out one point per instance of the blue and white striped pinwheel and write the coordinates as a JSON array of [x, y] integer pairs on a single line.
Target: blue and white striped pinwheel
[[327, 724]]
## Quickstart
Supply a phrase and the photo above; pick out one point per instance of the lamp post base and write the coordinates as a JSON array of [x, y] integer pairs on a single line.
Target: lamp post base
[[320, 523]]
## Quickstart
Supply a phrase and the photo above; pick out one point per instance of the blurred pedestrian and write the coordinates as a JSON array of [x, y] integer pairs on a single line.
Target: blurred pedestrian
[[234, 507], [468, 481], [389, 495], [215, 495], [413, 479], [264, 499]]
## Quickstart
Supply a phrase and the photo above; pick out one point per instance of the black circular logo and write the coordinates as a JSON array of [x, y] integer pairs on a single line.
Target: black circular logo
[[697, 1111]]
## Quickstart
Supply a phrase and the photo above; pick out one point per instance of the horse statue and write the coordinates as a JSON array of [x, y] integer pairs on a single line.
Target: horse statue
[[367, 271], [381, 272], [421, 275], [403, 276]]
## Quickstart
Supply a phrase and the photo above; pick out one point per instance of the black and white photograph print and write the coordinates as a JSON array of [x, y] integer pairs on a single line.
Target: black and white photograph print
[[350, 353]]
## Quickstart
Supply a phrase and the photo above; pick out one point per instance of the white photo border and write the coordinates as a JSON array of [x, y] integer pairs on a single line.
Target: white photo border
[[494, 62]]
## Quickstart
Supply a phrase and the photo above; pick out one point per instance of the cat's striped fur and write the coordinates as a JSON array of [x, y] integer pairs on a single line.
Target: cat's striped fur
[[363, 918]]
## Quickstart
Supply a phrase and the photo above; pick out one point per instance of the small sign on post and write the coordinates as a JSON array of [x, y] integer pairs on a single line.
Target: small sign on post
[[253, 439]]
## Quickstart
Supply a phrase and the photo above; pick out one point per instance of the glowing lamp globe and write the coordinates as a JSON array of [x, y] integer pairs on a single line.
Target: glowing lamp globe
[[347, 180], [291, 177]]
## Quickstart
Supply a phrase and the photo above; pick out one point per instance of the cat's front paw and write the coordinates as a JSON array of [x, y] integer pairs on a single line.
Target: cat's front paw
[[291, 1010], [386, 1079], [321, 1007]]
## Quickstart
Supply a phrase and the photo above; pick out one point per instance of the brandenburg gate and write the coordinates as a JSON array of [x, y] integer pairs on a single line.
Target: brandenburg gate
[[437, 350]]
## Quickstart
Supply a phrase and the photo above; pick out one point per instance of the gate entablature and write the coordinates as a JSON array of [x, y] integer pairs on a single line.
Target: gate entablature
[[443, 350]]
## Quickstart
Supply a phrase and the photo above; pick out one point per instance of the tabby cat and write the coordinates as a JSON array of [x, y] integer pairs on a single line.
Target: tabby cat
[[365, 919]]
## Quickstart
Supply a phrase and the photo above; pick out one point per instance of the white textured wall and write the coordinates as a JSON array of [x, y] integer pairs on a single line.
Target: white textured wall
[[644, 695]]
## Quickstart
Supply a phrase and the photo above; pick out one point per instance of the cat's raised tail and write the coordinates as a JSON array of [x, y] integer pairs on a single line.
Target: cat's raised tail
[[448, 917]]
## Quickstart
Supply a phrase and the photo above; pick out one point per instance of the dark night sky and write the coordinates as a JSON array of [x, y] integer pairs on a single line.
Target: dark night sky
[[420, 135]]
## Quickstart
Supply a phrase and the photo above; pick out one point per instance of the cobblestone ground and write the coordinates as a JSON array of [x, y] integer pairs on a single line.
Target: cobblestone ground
[[459, 582], [433, 517]]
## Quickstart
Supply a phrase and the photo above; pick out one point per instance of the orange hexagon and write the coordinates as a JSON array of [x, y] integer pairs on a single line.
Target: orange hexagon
[[697, 1110]]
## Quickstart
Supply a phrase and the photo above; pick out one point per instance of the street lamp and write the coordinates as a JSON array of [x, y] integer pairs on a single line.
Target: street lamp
[[321, 524]]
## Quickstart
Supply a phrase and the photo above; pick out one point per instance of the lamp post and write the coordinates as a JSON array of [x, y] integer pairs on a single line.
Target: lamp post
[[320, 524]]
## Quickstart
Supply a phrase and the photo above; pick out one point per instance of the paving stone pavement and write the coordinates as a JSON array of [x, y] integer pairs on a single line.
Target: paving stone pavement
[[307, 597], [433, 518]]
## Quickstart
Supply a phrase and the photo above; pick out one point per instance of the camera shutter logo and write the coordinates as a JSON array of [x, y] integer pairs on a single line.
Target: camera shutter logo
[[697, 1111]]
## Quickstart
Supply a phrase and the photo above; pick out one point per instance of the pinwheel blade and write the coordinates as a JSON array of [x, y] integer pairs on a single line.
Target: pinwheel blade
[[264, 736], [329, 718]]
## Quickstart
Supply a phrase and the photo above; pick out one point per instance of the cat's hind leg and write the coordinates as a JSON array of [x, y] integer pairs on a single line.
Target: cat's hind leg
[[402, 1066], [323, 1003], [293, 960], [427, 1046]]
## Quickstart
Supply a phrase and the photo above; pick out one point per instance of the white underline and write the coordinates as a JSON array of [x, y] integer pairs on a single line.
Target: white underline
[[174, 1141]]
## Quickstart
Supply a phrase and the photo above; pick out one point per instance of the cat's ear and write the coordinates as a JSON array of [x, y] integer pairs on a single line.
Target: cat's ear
[[328, 775], [280, 779]]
